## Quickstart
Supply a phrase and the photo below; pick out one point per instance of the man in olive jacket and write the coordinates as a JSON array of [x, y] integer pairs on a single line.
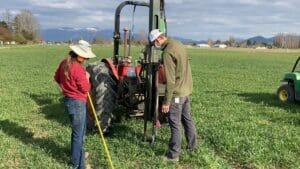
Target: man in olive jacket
[[179, 86]]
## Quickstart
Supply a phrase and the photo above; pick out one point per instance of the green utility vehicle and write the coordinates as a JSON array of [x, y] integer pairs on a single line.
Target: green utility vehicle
[[290, 90]]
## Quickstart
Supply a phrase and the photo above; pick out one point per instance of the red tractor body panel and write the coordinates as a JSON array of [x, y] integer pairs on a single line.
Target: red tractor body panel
[[112, 67], [123, 70]]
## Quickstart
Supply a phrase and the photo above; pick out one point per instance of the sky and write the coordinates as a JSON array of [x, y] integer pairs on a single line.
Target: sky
[[192, 19]]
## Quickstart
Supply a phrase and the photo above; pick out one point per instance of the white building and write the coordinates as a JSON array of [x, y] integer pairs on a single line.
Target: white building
[[261, 48], [203, 45], [222, 46]]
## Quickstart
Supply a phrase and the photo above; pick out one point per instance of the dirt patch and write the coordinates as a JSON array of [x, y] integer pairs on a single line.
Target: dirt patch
[[13, 163], [41, 135]]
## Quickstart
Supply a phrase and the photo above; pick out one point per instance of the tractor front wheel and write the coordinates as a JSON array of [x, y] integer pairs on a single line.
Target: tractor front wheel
[[103, 95], [286, 93]]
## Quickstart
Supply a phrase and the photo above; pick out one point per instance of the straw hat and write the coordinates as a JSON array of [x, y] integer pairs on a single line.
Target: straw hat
[[154, 34], [83, 49]]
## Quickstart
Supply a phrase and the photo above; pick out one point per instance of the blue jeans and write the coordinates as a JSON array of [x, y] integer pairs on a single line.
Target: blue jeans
[[77, 113], [180, 114]]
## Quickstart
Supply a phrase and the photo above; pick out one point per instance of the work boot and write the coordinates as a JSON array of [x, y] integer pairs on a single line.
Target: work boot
[[191, 150], [88, 166], [86, 155], [168, 159]]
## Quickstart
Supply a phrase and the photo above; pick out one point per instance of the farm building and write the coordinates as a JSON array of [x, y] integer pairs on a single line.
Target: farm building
[[203, 45], [261, 48], [222, 46]]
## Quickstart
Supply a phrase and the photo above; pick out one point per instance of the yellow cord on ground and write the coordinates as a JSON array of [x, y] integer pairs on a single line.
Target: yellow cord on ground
[[101, 133]]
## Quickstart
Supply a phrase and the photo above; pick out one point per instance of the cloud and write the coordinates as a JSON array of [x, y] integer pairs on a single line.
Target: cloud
[[217, 19], [249, 2], [56, 4], [175, 1]]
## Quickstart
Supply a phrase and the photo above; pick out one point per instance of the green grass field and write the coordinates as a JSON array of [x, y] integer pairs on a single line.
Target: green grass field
[[240, 122]]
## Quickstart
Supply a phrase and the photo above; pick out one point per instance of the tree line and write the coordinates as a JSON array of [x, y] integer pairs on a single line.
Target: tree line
[[23, 27], [284, 40], [281, 40]]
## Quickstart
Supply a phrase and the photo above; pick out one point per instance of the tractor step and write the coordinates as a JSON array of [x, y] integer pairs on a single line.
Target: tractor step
[[137, 114]]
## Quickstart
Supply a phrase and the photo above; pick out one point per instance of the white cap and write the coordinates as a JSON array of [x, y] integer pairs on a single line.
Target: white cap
[[83, 49], [154, 34]]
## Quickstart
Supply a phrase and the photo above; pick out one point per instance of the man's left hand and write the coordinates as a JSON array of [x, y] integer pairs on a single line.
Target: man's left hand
[[165, 108]]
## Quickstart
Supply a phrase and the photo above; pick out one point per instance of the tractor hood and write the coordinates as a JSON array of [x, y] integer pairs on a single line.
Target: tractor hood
[[293, 76]]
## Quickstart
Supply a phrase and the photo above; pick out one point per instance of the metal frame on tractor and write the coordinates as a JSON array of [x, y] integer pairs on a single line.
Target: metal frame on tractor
[[142, 90]]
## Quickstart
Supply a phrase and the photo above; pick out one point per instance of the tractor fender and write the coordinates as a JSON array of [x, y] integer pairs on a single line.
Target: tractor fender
[[112, 67]]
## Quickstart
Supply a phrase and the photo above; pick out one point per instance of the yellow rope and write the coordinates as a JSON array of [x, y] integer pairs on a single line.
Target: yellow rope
[[101, 133]]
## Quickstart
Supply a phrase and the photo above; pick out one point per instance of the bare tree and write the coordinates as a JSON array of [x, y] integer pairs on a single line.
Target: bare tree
[[294, 41], [279, 40], [27, 25], [290, 41], [8, 19], [210, 42], [231, 41]]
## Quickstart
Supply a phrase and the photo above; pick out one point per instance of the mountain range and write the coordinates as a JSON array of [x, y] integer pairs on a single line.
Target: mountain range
[[73, 34], [261, 39], [66, 34]]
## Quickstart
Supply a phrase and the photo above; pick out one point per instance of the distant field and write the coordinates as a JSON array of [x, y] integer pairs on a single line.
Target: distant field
[[240, 122]]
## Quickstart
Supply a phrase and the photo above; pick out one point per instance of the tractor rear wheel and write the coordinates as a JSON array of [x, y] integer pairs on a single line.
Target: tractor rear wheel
[[103, 95], [286, 93]]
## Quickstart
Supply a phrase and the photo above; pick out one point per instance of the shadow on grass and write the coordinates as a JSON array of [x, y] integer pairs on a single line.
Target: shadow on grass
[[12, 129], [120, 130], [136, 137], [51, 110], [271, 100]]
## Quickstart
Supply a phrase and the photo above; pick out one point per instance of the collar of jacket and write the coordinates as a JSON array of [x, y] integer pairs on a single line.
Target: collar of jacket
[[165, 44]]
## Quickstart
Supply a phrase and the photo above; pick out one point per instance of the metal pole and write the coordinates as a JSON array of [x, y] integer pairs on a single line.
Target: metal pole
[[125, 42]]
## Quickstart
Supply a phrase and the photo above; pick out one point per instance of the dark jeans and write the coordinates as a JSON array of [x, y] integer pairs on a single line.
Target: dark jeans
[[180, 114], [77, 113]]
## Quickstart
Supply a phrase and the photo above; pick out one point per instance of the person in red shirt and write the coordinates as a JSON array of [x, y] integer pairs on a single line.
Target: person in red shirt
[[74, 82]]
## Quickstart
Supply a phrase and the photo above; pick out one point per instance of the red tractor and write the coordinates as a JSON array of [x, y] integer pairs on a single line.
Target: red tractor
[[140, 88]]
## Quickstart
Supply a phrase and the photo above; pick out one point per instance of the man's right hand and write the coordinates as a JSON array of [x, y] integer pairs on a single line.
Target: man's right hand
[[165, 108]]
